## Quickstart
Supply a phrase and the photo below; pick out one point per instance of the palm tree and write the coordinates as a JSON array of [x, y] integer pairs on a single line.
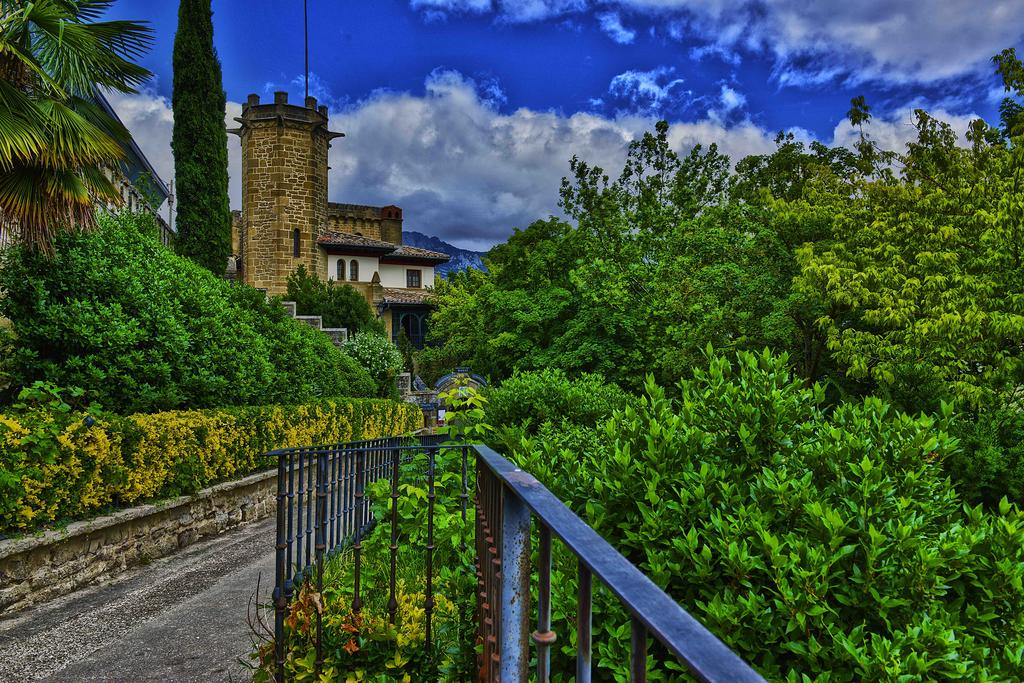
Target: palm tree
[[55, 141]]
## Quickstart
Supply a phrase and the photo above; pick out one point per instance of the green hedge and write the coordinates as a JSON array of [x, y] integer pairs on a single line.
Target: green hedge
[[142, 330], [55, 467]]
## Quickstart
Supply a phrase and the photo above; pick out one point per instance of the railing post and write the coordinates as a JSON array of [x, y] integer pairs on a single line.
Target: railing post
[[396, 456], [428, 607], [321, 546], [280, 571], [464, 496], [357, 602], [300, 530], [584, 652], [515, 588], [638, 651], [544, 636]]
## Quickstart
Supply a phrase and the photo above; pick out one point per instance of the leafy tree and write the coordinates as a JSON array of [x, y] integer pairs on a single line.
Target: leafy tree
[[407, 350], [659, 264], [339, 304], [785, 173], [924, 277], [1011, 112], [199, 141], [920, 288], [55, 140]]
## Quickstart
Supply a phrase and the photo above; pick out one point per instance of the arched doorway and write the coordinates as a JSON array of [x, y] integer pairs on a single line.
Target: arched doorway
[[414, 323]]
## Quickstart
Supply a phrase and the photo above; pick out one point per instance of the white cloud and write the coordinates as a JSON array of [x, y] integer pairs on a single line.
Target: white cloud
[[813, 42], [149, 118], [468, 173], [731, 99], [897, 129], [476, 6], [647, 91], [611, 23]]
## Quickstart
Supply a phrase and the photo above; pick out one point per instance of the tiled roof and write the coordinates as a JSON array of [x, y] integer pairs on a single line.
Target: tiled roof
[[396, 295], [416, 252], [344, 239], [387, 249]]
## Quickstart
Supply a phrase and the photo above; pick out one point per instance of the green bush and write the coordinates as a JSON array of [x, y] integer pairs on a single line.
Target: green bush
[[540, 396], [339, 304], [819, 545], [59, 462], [990, 462], [140, 329], [380, 357]]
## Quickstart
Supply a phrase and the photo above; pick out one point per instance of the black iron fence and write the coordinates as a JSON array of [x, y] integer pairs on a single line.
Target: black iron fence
[[323, 508]]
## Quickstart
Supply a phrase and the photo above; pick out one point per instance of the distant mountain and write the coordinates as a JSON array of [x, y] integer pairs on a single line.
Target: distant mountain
[[461, 258]]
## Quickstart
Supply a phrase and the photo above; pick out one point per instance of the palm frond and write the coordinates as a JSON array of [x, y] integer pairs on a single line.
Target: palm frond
[[72, 140], [84, 55], [55, 56], [41, 201], [22, 127]]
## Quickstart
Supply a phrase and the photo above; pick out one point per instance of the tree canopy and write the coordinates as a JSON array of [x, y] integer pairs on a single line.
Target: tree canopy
[[895, 273], [199, 141]]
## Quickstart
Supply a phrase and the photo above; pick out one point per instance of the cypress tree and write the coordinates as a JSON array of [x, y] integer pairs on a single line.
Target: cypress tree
[[199, 141]]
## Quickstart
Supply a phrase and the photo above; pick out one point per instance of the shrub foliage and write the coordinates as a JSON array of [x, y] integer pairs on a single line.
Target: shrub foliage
[[55, 465], [142, 330], [821, 545], [380, 357], [339, 304], [540, 396]]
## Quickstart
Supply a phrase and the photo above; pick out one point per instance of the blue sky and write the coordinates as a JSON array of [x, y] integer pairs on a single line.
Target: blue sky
[[465, 112]]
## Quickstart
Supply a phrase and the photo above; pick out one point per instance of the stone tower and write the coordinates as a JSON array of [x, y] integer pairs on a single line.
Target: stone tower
[[284, 190]]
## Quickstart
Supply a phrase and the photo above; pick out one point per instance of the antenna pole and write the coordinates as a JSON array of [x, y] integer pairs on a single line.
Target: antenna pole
[[305, 26]]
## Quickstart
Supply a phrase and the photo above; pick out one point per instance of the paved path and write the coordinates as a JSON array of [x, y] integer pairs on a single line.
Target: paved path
[[180, 619]]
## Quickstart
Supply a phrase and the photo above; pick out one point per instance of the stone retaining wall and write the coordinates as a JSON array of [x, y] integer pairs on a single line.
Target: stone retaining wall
[[38, 568]]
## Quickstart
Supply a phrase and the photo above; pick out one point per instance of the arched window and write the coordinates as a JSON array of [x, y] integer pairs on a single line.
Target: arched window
[[339, 273], [296, 241], [353, 270]]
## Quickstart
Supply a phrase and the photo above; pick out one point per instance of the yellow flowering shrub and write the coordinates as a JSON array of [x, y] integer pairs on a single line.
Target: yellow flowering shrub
[[55, 466]]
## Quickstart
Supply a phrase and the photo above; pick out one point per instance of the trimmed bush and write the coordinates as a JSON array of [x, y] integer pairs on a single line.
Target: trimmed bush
[[540, 396], [142, 330], [55, 467]]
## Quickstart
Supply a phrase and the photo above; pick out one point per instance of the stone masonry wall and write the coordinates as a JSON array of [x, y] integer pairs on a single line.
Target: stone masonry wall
[[284, 170], [376, 222], [39, 568]]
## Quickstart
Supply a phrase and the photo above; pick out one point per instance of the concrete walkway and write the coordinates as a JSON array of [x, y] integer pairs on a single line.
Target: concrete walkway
[[180, 619]]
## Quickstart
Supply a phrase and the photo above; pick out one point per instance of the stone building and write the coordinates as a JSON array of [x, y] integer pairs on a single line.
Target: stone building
[[286, 220], [138, 183]]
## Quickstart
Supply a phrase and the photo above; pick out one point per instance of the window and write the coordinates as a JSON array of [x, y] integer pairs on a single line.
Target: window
[[339, 270], [413, 279], [353, 270], [296, 241]]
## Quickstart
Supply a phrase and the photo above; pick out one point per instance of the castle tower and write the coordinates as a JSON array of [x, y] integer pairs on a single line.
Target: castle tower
[[284, 190]]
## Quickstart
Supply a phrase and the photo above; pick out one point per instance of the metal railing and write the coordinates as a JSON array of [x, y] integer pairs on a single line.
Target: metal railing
[[322, 508]]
